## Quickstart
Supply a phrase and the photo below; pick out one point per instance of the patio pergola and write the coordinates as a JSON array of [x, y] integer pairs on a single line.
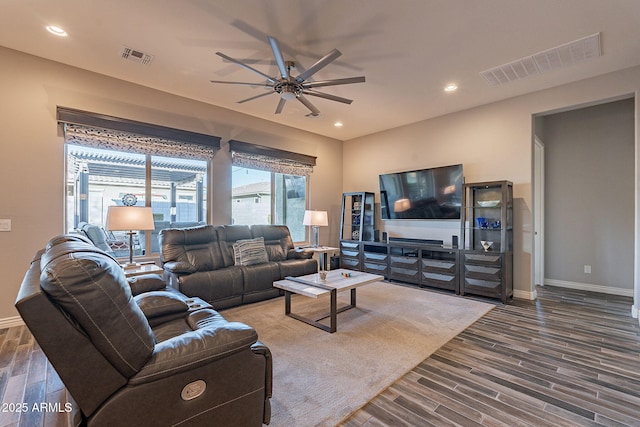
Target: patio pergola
[[95, 166]]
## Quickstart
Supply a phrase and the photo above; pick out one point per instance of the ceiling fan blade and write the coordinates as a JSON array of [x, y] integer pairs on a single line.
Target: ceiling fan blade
[[322, 62], [242, 83], [309, 105], [255, 97], [279, 59], [243, 65], [327, 96], [334, 82], [280, 105]]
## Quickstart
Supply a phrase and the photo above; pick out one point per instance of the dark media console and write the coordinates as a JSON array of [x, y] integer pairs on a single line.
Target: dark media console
[[426, 264], [416, 261], [479, 263]]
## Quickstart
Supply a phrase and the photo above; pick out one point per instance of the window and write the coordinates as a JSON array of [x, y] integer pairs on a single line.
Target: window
[[269, 186], [261, 197], [99, 178], [114, 161]]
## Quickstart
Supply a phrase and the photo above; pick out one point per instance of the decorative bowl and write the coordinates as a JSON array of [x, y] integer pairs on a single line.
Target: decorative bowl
[[486, 245], [488, 203]]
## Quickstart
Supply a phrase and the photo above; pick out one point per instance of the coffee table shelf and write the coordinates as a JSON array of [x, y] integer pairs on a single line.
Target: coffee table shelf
[[313, 287]]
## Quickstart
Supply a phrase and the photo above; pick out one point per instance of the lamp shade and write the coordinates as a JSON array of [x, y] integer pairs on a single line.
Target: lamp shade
[[315, 218], [124, 218]]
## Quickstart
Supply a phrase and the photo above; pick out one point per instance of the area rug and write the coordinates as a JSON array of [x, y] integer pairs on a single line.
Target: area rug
[[320, 378]]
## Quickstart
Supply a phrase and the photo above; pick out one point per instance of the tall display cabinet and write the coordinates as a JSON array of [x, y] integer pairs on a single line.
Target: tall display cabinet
[[487, 236], [357, 224]]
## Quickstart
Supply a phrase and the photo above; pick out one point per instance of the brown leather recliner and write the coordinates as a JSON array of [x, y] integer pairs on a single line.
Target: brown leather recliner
[[157, 358]]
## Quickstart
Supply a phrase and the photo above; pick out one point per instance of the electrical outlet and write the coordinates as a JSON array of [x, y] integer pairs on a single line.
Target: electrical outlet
[[587, 269], [5, 225]]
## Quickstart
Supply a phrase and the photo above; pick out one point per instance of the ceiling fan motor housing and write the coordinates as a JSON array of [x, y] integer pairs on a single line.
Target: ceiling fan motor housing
[[288, 90]]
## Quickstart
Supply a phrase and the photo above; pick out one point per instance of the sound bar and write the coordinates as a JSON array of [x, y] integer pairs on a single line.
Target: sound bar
[[418, 241]]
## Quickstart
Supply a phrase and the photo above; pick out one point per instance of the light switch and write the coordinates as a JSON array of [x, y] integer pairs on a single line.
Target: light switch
[[5, 225]]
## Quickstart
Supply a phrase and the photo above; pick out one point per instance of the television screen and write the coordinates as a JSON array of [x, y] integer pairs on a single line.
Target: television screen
[[434, 193]]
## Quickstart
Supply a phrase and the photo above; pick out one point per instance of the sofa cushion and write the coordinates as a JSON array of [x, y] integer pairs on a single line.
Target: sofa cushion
[[189, 250], [221, 288], [91, 287], [227, 236], [250, 252], [277, 239]]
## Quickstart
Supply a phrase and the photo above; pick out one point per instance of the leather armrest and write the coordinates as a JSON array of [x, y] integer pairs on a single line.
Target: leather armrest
[[260, 348], [161, 303], [146, 283], [178, 267], [213, 338], [299, 254]]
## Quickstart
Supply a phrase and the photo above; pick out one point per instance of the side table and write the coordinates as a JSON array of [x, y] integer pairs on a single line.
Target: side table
[[143, 269], [322, 251]]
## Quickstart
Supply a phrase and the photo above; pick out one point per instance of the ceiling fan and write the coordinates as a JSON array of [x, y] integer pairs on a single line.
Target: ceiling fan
[[290, 87]]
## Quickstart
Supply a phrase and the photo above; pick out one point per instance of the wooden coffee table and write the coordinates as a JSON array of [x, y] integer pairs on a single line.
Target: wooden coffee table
[[313, 287]]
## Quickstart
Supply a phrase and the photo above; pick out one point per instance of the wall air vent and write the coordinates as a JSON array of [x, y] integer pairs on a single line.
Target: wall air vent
[[136, 56], [548, 60]]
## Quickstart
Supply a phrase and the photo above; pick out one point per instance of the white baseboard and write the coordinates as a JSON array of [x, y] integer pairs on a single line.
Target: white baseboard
[[589, 287], [10, 322], [525, 294], [634, 312]]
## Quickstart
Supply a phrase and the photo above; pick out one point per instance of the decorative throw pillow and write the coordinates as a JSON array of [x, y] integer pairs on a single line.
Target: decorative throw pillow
[[250, 251]]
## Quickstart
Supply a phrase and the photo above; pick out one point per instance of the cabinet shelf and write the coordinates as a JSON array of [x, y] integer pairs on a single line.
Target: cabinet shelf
[[356, 221], [487, 272]]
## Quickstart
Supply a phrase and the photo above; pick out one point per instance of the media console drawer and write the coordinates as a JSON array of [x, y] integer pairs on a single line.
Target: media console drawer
[[484, 259], [443, 281], [439, 266], [482, 272], [404, 274], [403, 262]]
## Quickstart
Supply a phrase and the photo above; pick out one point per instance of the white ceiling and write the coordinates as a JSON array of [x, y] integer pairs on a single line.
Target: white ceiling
[[407, 49]]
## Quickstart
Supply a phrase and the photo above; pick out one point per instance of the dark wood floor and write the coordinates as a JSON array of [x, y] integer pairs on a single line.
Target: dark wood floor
[[571, 358]]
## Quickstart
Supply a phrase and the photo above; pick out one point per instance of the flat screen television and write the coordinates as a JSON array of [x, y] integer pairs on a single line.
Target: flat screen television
[[434, 193]]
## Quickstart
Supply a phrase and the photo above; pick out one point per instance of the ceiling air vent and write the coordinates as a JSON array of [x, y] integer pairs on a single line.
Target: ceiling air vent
[[548, 60], [136, 56]]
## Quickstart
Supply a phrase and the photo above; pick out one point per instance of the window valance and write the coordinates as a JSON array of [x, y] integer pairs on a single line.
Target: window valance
[[270, 159], [101, 131]]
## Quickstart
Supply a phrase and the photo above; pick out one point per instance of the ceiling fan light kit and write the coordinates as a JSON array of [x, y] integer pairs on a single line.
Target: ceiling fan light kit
[[289, 87]]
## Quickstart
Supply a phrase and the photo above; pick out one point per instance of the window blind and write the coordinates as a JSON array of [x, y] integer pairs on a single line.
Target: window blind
[[108, 132], [259, 157]]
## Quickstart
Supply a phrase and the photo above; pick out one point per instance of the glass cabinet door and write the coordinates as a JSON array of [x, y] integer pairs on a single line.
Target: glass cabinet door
[[488, 216], [357, 222]]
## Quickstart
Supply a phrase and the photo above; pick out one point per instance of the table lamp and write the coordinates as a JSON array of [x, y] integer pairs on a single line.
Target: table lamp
[[129, 218], [315, 219]]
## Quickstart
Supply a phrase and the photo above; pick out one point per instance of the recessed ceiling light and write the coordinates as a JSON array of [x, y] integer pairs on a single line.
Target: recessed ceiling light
[[338, 124], [451, 87], [56, 31]]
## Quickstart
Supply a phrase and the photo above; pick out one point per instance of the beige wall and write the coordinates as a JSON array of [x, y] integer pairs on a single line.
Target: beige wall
[[32, 162], [494, 142]]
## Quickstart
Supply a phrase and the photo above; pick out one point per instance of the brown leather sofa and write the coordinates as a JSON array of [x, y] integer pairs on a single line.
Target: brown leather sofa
[[137, 353], [200, 262]]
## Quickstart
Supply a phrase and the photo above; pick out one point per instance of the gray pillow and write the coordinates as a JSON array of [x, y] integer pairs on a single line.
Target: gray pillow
[[250, 251]]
